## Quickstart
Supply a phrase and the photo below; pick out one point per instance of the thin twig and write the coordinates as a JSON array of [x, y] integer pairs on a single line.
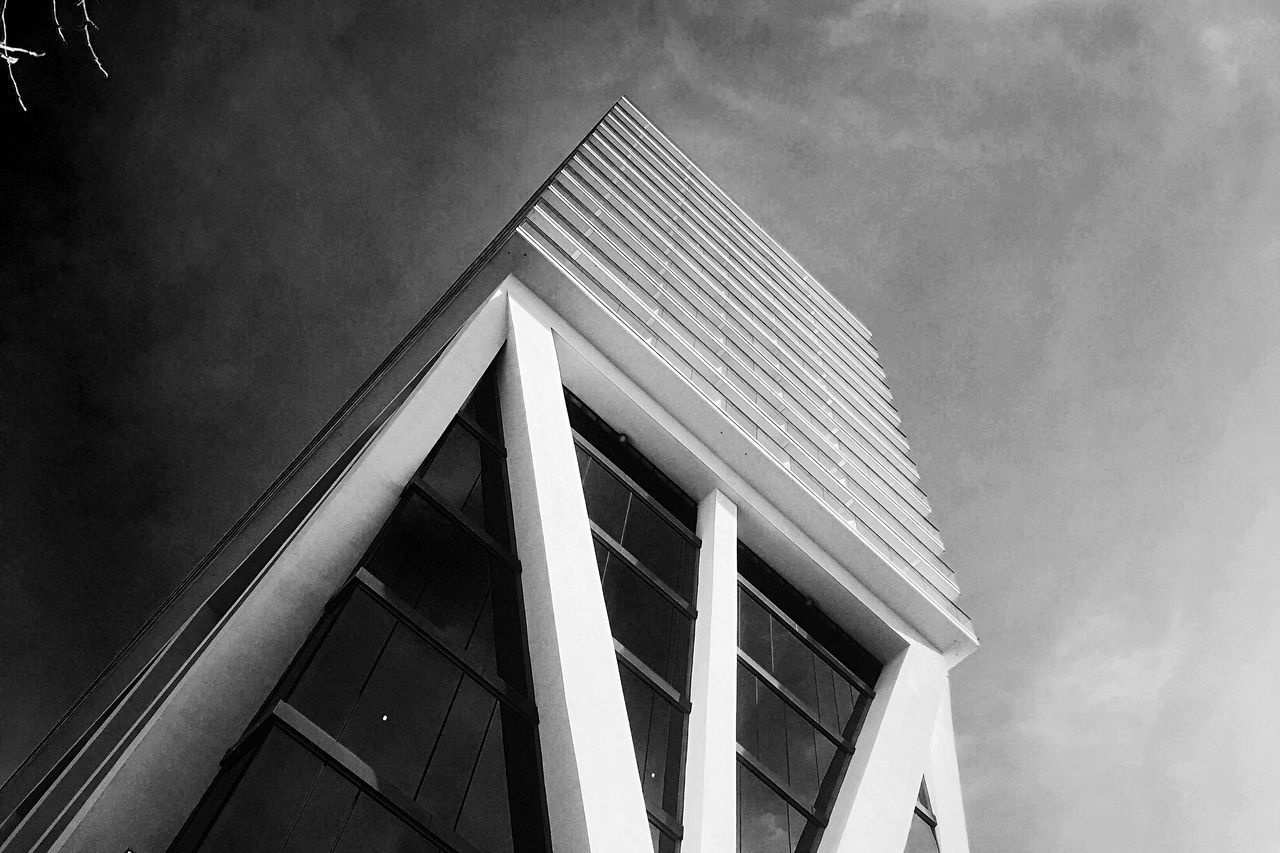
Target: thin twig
[[57, 25], [8, 48], [9, 58], [89, 24]]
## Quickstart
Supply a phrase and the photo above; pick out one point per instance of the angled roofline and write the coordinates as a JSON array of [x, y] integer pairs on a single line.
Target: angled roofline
[[72, 757], [190, 612]]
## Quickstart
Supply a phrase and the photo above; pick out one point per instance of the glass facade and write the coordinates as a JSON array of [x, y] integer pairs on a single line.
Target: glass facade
[[803, 690], [406, 721], [647, 556]]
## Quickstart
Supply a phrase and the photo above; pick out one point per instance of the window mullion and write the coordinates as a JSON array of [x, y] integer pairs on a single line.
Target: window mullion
[[423, 627], [792, 700], [637, 490], [643, 571], [505, 557], [764, 774], [657, 682], [812, 644]]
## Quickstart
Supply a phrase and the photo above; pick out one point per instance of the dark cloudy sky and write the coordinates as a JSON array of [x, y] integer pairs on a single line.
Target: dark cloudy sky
[[1060, 219]]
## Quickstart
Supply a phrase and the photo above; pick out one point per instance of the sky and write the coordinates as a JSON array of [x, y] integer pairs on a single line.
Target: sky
[[1061, 220]]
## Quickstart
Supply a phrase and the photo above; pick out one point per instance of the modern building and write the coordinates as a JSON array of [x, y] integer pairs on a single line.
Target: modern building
[[621, 550]]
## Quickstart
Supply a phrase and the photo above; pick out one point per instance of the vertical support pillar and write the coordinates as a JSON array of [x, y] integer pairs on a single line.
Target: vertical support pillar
[[872, 812], [594, 798], [710, 803], [943, 779]]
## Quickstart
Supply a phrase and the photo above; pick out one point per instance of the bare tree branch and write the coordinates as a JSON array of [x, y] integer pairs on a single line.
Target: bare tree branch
[[10, 53], [88, 25]]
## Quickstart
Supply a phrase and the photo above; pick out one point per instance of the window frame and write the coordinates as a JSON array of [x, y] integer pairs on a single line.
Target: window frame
[[818, 814], [678, 698]]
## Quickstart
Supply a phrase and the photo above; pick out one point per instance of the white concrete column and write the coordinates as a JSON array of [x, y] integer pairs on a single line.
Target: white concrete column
[[710, 804], [593, 790], [873, 810], [943, 779]]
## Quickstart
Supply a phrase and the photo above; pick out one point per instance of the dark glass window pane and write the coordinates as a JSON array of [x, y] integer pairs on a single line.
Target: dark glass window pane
[[332, 682], [921, 839], [769, 642], [828, 682], [436, 566], [799, 608], [803, 771], [782, 740], [453, 470], [602, 555], [639, 701], [653, 777], [791, 723], [394, 723], [765, 725], [607, 498], [657, 730], [659, 546], [846, 701], [261, 810], [324, 815], [486, 813], [444, 785], [766, 822], [469, 408], [373, 829], [662, 843], [753, 630], [746, 695], [645, 622], [793, 665], [482, 406], [450, 578]]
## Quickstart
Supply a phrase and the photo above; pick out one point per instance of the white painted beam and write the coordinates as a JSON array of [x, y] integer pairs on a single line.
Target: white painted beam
[[593, 789], [873, 809], [710, 804], [943, 780]]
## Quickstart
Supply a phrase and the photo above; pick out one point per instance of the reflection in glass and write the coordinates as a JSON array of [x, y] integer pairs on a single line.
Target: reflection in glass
[[445, 574], [643, 620], [630, 521], [797, 714], [781, 739], [766, 823], [763, 637]]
